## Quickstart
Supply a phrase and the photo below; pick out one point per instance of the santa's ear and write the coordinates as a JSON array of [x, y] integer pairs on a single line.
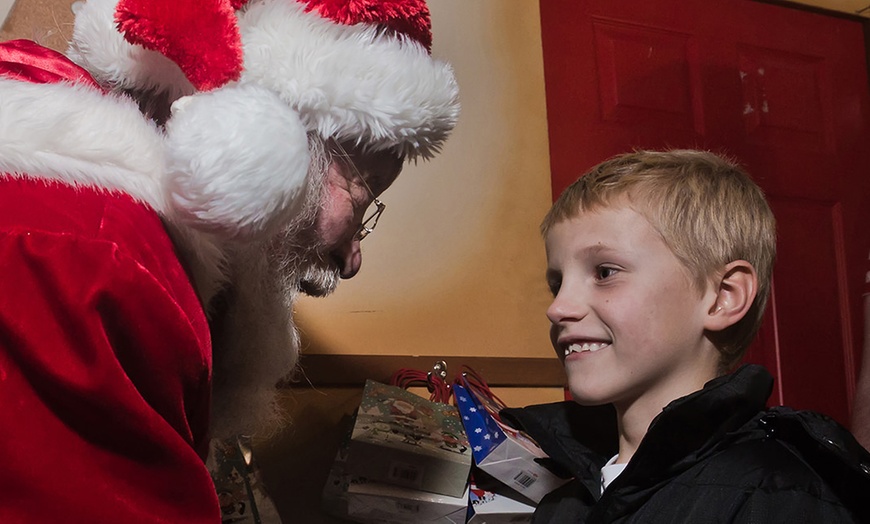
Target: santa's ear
[[734, 291]]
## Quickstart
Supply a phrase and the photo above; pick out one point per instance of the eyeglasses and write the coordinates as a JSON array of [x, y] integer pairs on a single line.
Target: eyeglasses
[[376, 209], [372, 216]]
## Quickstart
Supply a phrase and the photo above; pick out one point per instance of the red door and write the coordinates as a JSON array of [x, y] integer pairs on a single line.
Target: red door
[[785, 92]]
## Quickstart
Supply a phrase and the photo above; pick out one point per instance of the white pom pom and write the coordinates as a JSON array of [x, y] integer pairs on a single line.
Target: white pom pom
[[237, 162]]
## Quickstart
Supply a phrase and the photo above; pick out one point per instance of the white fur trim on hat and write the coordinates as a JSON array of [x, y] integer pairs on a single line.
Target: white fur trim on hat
[[350, 82], [97, 46], [237, 162]]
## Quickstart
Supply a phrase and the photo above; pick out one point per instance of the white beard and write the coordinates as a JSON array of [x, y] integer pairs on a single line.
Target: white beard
[[255, 345], [254, 337]]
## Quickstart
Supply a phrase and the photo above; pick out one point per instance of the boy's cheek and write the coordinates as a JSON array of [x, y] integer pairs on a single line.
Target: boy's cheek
[[554, 335]]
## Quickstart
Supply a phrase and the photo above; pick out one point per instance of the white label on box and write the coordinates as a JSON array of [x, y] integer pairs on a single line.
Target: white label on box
[[407, 508], [405, 474], [525, 479]]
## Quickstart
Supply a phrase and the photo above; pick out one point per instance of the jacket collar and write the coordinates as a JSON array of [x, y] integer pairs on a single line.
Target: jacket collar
[[581, 439], [690, 428]]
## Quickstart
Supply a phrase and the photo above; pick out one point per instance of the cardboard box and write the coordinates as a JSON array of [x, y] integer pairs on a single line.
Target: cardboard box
[[360, 500], [385, 502]]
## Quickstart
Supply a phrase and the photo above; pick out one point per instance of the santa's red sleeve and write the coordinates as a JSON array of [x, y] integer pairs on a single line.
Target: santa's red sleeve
[[105, 363]]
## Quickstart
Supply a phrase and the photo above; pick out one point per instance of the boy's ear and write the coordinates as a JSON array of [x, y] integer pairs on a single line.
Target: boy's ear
[[734, 291]]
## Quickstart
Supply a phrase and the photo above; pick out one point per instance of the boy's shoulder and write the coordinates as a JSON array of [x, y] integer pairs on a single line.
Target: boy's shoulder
[[825, 445], [783, 449]]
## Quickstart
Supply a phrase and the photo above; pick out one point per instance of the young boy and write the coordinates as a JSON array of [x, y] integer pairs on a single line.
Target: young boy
[[660, 268]]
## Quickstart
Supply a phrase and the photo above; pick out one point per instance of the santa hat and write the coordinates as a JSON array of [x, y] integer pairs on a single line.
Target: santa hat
[[263, 74]]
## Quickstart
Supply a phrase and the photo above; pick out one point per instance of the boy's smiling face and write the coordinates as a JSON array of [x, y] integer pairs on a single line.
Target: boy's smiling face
[[627, 319]]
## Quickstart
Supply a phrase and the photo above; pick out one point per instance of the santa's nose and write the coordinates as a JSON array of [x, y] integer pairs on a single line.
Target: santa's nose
[[349, 258]]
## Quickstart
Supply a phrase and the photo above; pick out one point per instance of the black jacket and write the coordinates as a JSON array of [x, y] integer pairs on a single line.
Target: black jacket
[[716, 455]]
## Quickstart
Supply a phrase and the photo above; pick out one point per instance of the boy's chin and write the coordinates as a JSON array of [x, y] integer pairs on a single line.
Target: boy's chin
[[583, 395], [588, 402]]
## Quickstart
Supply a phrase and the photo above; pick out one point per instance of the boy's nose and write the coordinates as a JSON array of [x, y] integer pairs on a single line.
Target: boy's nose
[[554, 312], [566, 307]]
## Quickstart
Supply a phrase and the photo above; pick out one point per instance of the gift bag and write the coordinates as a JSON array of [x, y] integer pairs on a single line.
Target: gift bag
[[504, 453], [401, 438], [236, 477]]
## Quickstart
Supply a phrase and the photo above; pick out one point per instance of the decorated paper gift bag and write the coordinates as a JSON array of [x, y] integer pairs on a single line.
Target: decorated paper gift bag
[[236, 477], [403, 439], [402, 458], [501, 451]]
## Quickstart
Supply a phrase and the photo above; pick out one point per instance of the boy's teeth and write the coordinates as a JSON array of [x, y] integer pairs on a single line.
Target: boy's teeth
[[586, 346]]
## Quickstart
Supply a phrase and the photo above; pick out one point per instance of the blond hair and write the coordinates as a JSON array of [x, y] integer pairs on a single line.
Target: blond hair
[[705, 207]]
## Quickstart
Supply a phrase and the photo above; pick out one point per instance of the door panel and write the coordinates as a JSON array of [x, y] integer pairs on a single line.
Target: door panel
[[625, 59], [810, 370], [785, 93]]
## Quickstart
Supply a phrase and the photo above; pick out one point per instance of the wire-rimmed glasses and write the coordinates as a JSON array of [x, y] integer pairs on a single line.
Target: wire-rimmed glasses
[[373, 214], [368, 225]]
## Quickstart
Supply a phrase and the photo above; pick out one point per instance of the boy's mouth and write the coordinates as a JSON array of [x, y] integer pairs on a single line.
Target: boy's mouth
[[590, 347]]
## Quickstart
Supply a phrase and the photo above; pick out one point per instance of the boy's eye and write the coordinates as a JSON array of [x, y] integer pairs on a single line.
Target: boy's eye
[[554, 285], [554, 288], [605, 272]]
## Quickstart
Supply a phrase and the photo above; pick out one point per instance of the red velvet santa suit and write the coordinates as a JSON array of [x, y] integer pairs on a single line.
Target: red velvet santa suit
[[106, 364], [105, 356]]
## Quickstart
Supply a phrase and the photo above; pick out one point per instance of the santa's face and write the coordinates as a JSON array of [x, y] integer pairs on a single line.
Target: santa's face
[[350, 186]]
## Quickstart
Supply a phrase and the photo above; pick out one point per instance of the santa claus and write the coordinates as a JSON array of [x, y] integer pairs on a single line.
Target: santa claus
[[150, 262]]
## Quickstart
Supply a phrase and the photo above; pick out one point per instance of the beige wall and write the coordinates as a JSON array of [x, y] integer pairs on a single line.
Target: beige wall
[[456, 265], [48, 22]]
